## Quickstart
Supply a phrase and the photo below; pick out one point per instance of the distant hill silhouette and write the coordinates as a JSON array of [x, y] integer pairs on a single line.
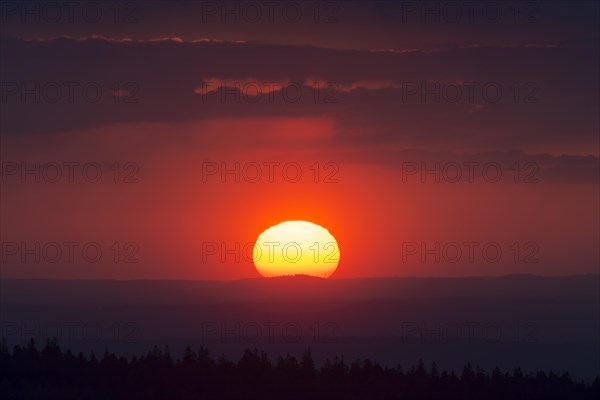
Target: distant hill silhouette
[[536, 323], [136, 292]]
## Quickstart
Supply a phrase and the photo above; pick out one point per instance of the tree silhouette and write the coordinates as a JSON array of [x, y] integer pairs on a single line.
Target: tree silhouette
[[50, 373]]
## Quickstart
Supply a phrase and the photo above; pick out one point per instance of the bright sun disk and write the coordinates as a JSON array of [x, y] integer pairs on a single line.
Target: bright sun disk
[[296, 248]]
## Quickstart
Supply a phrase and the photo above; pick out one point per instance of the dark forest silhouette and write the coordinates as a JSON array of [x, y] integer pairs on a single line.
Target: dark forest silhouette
[[50, 373]]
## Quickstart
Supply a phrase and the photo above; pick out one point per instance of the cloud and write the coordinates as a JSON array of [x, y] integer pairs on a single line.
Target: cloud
[[250, 87], [413, 99], [174, 39]]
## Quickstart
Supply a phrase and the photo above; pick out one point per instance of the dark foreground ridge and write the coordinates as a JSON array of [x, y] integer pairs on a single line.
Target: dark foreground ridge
[[50, 373]]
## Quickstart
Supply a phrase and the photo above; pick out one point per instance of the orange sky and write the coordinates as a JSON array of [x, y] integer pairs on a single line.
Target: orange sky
[[375, 212], [356, 106]]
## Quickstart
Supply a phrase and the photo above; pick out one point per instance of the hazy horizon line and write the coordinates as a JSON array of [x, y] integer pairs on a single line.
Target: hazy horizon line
[[597, 275]]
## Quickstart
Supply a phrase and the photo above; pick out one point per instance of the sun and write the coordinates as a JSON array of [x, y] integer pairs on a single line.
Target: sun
[[296, 248]]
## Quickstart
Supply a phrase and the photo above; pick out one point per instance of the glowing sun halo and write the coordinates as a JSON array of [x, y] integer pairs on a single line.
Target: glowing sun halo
[[296, 248]]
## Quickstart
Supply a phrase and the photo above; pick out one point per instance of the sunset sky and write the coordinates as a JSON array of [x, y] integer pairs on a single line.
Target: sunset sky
[[461, 127]]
